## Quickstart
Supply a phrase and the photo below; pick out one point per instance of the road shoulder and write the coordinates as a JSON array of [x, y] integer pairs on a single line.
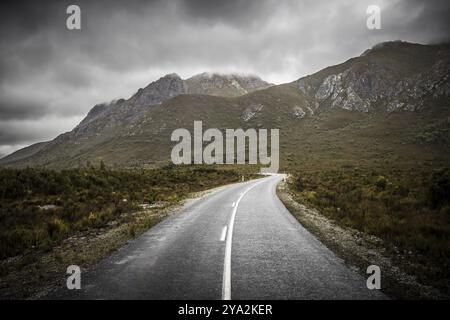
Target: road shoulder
[[358, 250]]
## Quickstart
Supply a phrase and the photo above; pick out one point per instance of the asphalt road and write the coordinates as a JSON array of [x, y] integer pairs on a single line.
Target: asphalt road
[[238, 242]]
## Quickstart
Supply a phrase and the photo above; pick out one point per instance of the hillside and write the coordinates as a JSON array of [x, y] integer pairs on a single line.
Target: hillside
[[389, 105], [106, 120], [24, 152]]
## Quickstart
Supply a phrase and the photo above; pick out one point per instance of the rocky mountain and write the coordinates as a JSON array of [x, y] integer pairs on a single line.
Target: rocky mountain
[[391, 76], [391, 104], [108, 119], [224, 85]]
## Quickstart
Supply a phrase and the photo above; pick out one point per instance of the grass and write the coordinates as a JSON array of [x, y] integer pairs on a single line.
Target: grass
[[408, 209], [39, 208]]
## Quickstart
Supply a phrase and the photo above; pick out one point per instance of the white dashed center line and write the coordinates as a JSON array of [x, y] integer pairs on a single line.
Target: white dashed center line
[[224, 233]]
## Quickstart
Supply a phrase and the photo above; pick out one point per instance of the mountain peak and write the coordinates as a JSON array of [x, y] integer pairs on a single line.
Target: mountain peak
[[219, 84], [233, 75], [392, 45], [172, 75]]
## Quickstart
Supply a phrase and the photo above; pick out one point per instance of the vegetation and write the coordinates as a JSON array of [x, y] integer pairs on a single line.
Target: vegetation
[[39, 208], [408, 209]]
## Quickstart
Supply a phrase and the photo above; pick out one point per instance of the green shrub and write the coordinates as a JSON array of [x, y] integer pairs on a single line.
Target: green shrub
[[86, 198], [56, 228], [408, 209]]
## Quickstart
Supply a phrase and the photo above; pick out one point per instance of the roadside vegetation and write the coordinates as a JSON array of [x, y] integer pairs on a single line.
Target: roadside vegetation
[[39, 208], [407, 208]]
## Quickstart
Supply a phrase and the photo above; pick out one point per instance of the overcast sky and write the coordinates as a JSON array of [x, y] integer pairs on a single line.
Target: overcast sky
[[50, 77]]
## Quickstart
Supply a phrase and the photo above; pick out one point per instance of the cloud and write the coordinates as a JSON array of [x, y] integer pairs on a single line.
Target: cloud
[[238, 13], [23, 132], [48, 72], [8, 149]]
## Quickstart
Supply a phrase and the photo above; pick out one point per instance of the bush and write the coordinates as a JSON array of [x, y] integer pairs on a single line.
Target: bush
[[299, 184], [86, 198], [408, 209], [56, 228], [439, 189], [381, 183]]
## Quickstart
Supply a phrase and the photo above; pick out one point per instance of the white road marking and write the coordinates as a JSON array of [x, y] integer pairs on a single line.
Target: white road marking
[[224, 233], [226, 282], [234, 203]]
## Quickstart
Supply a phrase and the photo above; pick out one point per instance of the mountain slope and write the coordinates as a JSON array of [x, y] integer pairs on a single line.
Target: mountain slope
[[392, 76], [23, 153], [388, 105], [108, 119]]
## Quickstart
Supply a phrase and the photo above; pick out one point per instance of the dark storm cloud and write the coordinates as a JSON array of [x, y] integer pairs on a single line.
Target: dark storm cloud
[[422, 21], [10, 135], [20, 132], [50, 76], [235, 12], [13, 109]]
